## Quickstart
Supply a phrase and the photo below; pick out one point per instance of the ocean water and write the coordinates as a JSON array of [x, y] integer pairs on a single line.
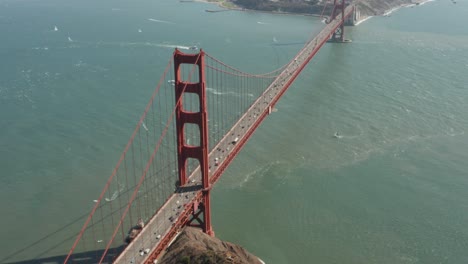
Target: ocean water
[[75, 77]]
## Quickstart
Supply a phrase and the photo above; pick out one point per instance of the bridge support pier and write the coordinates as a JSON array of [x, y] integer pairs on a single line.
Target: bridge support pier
[[198, 117], [201, 217], [339, 35]]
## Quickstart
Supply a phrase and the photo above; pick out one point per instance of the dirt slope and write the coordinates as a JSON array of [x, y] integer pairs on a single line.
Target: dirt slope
[[194, 247]]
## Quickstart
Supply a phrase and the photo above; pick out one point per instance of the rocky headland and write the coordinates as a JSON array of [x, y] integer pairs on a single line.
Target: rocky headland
[[312, 7], [193, 246]]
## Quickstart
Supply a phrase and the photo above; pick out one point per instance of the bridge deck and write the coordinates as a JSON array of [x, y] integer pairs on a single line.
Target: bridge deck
[[165, 224]]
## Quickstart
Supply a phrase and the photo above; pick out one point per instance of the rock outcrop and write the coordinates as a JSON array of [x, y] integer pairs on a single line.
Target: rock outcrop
[[192, 246]]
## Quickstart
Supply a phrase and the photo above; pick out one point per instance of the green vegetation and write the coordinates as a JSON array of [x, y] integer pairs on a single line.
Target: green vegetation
[[223, 3], [228, 4], [292, 6]]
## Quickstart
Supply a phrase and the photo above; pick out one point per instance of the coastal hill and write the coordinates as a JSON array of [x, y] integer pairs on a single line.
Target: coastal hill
[[379, 7], [367, 7], [193, 246]]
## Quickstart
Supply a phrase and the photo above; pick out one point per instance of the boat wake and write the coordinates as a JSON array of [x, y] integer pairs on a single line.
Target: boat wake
[[337, 135], [40, 48], [115, 194], [259, 173], [142, 44], [287, 44], [144, 126], [215, 92], [113, 197], [174, 46], [160, 21]]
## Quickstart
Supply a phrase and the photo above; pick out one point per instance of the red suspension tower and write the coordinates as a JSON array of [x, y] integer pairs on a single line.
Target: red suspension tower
[[338, 35], [201, 212]]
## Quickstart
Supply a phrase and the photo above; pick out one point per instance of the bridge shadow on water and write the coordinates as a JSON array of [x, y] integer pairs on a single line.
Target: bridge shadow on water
[[46, 249], [53, 247], [83, 257]]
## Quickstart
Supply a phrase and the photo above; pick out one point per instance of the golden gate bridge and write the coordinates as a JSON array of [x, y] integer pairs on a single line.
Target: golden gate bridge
[[187, 136]]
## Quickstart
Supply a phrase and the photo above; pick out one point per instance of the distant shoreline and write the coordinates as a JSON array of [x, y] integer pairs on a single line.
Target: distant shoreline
[[219, 3], [232, 7], [226, 5], [388, 12]]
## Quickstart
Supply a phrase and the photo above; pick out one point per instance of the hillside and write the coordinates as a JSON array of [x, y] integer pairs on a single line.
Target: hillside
[[367, 7], [379, 7], [193, 246]]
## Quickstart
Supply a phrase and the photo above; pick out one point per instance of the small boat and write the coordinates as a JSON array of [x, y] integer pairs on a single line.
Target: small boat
[[337, 135], [55, 28], [194, 47], [139, 31]]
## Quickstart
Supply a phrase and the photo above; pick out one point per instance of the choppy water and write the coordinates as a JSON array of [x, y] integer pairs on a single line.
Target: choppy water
[[391, 189]]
